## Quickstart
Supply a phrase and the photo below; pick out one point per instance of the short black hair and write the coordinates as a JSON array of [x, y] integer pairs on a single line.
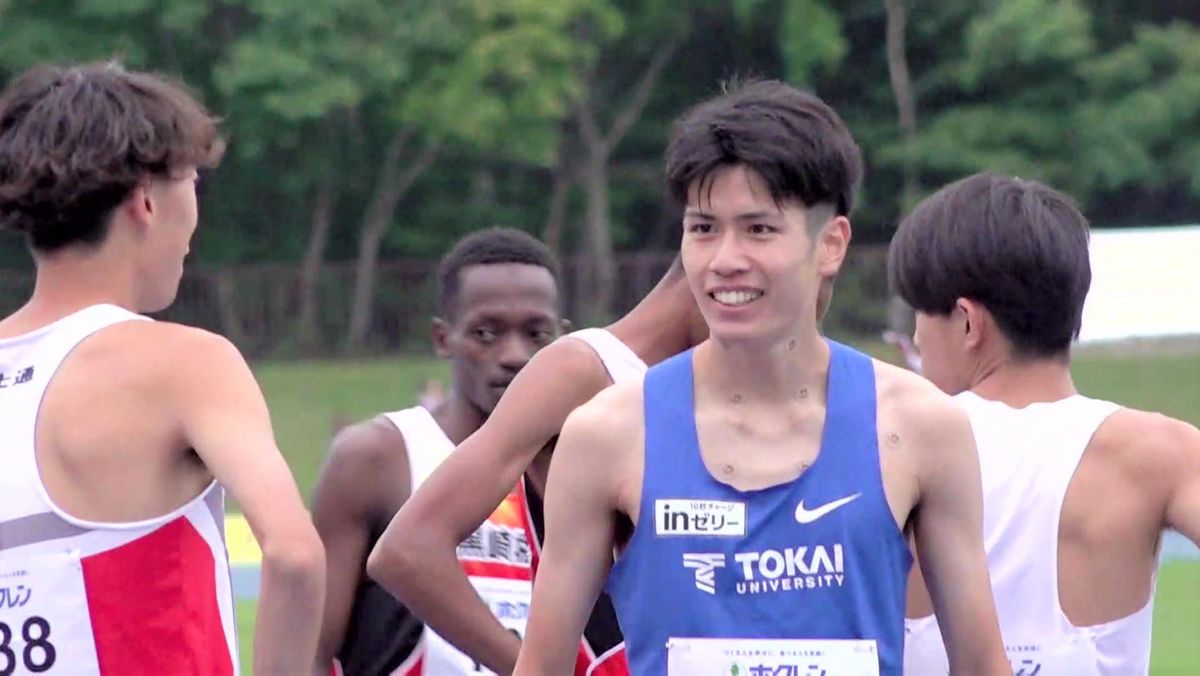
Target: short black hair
[[75, 141], [791, 138], [1018, 247], [492, 246]]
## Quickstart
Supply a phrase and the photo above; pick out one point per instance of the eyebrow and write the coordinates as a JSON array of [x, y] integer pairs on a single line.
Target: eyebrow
[[752, 216], [492, 316]]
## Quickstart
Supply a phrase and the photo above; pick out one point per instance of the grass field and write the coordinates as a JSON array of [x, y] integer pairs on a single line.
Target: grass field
[[309, 400]]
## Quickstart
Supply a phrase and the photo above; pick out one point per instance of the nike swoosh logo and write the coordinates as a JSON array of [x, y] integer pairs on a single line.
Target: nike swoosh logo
[[809, 515]]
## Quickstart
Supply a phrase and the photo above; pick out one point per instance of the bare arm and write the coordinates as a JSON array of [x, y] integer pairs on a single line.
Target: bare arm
[[366, 474], [949, 534], [581, 506], [223, 416], [415, 558], [1183, 506]]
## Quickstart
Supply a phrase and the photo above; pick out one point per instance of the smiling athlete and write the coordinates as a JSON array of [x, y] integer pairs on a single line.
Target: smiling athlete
[[757, 487]]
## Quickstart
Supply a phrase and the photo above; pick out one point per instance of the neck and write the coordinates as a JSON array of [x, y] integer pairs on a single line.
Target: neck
[[659, 326], [69, 281], [458, 418], [793, 369], [1021, 382]]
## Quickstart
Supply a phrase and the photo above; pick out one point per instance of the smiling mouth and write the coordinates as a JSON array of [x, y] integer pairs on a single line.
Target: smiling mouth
[[735, 298]]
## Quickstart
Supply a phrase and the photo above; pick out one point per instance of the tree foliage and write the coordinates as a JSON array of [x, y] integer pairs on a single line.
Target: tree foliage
[[329, 104]]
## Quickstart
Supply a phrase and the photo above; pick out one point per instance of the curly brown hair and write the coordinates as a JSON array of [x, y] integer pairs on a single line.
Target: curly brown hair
[[75, 141]]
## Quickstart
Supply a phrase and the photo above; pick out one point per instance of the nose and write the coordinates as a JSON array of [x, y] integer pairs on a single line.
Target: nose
[[729, 259], [513, 351]]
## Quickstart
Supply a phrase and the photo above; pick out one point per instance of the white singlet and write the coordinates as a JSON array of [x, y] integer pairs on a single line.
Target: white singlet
[[83, 597], [496, 557], [621, 362], [1027, 458]]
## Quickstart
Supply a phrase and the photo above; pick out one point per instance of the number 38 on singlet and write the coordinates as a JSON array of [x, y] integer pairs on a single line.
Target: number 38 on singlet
[[44, 622]]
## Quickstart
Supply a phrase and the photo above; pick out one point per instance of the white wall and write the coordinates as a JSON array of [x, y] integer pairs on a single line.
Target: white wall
[[1145, 283]]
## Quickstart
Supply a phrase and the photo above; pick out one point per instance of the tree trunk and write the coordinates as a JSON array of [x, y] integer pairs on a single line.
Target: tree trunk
[[225, 288], [899, 314], [390, 188], [559, 194], [599, 263], [906, 105], [483, 189], [310, 269]]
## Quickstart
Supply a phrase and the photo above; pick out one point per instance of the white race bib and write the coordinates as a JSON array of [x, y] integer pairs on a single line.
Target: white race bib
[[509, 603], [44, 623], [1076, 656], [925, 654], [771, 657]]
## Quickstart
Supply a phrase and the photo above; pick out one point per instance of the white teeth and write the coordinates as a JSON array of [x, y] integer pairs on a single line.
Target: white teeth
[[735, 297]]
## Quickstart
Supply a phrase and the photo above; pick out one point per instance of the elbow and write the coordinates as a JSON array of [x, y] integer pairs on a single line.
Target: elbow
[[300, 556], [391, 562]]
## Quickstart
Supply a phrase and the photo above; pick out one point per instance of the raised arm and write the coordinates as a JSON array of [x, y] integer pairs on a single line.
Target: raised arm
[[366, 474], [223, 416], [949, 535], [416, 559], [581, 509]]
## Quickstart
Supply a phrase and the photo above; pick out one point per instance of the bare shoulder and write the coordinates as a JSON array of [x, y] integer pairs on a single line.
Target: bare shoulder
[[612, 420], [913, 404], [615, 406], [601, 445], [180, 348], [367, 449], [144, 358], [924, 426], [1147, 440], [168, 337], [366, 471]]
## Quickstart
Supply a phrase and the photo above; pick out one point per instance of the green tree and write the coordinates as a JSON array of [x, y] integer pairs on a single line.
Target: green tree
[[496, 75], [1034, 92], [635, 46]]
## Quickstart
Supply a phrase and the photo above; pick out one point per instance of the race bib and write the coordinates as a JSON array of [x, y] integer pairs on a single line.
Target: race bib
[[509, 603], [924, 653], [771, 657], [1076, 656], [44, 623]]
